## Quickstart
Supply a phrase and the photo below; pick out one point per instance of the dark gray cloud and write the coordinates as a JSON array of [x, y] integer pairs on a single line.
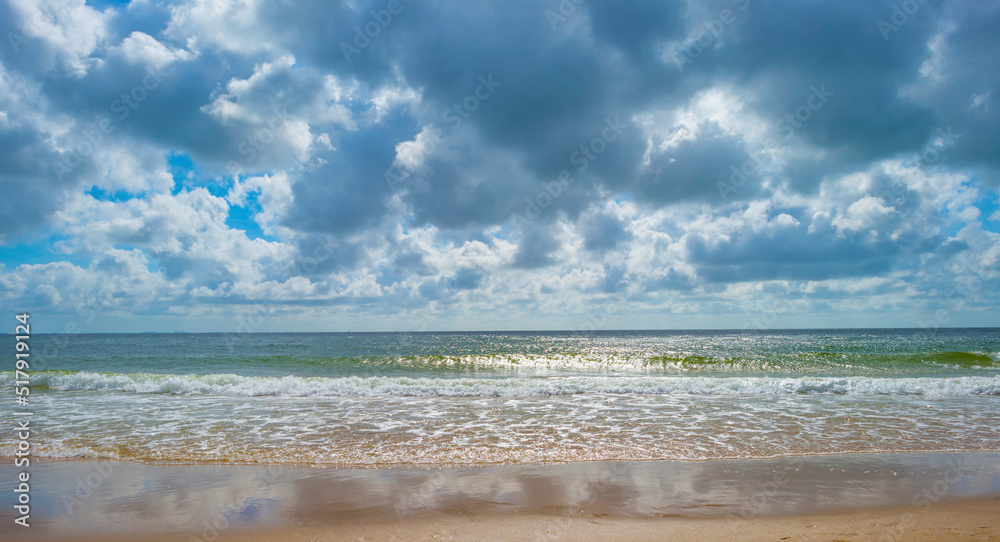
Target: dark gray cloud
[[603, 231], [869, 135], [536, 250], [693, 169], [812, 249], [33, 189], [348, 192]]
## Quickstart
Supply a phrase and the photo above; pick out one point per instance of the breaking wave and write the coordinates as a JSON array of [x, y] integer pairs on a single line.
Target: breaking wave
[[384, 386]]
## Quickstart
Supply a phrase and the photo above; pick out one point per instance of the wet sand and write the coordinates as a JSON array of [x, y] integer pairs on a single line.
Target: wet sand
[[972, 519], [911, 496]]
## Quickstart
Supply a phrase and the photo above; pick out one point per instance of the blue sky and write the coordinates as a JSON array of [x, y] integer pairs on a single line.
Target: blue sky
[[397, 165]]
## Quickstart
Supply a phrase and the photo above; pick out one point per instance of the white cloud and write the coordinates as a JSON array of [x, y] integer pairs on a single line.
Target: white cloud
[[133, 169], [229, 25], [143, 49], [855, 220], [274, 196], [387, 98], [187, 232], [71, 28], [864, 214], [412, 154], [277, 121], [119, 282], [968, 214]]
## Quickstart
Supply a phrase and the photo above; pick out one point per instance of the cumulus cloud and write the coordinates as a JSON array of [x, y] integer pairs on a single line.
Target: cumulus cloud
[[499, 165], [143, 49], [70, 30]]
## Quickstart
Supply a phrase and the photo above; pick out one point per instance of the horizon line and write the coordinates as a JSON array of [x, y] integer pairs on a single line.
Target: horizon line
[[585, 332]]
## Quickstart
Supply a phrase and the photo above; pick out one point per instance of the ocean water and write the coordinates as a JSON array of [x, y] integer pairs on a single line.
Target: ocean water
[[449, 399]]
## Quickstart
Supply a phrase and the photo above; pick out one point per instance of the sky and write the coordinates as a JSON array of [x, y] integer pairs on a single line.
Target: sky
[[253, 165]]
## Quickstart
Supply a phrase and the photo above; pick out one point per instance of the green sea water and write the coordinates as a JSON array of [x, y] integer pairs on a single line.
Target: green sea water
[[512, 397]]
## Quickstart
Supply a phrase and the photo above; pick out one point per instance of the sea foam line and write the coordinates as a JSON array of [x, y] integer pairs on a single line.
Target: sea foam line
[[382, 386]]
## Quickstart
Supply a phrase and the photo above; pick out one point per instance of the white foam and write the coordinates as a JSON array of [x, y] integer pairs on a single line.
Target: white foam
[[380, 386]]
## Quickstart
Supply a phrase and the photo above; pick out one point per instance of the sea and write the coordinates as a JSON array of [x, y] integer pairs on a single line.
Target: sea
[[433, 400]]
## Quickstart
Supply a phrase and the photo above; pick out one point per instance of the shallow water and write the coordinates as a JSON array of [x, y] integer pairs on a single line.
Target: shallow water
[[448, 399]]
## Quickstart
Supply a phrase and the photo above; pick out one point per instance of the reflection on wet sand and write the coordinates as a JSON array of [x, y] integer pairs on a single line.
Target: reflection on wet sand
[[94, 497]]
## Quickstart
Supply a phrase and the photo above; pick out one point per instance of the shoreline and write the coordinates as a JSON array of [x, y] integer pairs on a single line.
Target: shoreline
[[455, 466], [110, 498]]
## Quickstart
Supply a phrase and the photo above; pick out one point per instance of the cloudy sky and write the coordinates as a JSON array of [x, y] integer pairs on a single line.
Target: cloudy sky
[[253, 165]]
